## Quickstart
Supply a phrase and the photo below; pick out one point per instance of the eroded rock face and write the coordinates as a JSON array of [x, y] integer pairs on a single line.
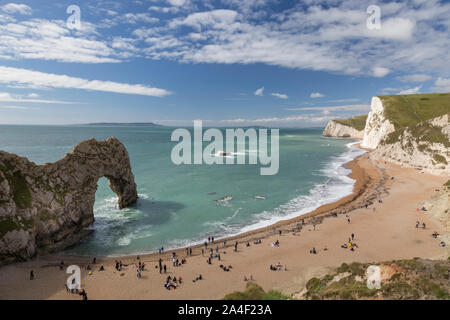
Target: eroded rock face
[[377, 126], [416, 152], [45, 208], [338, 130]]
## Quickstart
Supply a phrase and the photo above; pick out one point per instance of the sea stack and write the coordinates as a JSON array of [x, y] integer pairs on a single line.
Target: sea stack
[[45, 208]]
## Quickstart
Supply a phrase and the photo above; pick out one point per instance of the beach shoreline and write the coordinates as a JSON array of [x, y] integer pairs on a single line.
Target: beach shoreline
[[382, 234], [364, 184]]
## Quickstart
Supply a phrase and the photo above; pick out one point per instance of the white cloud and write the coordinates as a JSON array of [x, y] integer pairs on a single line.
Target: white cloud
[[35, 78], [177, 2], [16, 8], [380, 72], [394, 28], [415, 78], [353, 107], [316, 95], [134, 18], [280, 95], [18, 108], [215, 19], [331, 37], [442, 85], [345, 100], [7, 97], [259, 92], [390, 89], [51, 40], [411, 90], [164, 9]]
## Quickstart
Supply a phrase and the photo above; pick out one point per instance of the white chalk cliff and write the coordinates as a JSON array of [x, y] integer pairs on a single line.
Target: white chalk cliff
[[415, 151], [377, 126], [338, 130], [424, 146]]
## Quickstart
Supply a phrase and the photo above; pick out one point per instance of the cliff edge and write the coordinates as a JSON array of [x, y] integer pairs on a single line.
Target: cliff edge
[[46, 207], [411, 131], [338, 130]]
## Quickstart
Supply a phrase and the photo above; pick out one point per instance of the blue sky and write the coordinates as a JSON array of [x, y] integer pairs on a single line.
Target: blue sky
[[227, 62]]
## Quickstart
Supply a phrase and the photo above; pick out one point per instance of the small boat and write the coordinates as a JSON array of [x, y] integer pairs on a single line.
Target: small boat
[[223, 154], [227, 198], [212, 193], [260, 197]]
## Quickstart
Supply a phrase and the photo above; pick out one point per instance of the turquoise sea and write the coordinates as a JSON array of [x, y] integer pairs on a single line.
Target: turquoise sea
[[175, 206]]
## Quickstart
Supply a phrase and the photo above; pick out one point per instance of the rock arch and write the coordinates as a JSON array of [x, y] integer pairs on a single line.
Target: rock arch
[[46, 207]]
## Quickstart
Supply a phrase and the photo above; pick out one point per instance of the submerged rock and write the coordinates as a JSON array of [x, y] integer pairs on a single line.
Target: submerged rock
[[45, 208]]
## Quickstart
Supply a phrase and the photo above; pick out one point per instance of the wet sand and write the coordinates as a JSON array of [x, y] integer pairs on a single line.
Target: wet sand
[[386, 233]]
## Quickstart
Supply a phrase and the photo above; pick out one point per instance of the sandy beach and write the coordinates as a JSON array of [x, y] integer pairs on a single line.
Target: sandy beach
[[383, 231]]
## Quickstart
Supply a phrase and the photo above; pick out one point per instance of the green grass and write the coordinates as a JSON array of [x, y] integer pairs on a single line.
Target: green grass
[[417, 279], [408, 110], [255, 292], [21, 192], [8, 225], [357, 122], [447, 184]]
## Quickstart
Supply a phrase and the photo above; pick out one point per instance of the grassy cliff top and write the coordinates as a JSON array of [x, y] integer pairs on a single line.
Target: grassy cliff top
[[411, 111], [357, 122], [408, 110], [410, 280]]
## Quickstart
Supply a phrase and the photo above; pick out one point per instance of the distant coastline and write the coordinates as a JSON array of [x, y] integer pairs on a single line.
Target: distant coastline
[[125, 124]]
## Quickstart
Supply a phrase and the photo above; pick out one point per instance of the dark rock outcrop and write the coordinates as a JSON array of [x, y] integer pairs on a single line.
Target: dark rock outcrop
[[46, 207]]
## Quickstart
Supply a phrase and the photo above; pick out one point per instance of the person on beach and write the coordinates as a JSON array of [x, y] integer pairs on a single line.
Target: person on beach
[[348, 220], [165, 269], [160, 265], [83, 295], [417, 224], [353, 236], [94, 261], [31, 275], [423, 225]]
